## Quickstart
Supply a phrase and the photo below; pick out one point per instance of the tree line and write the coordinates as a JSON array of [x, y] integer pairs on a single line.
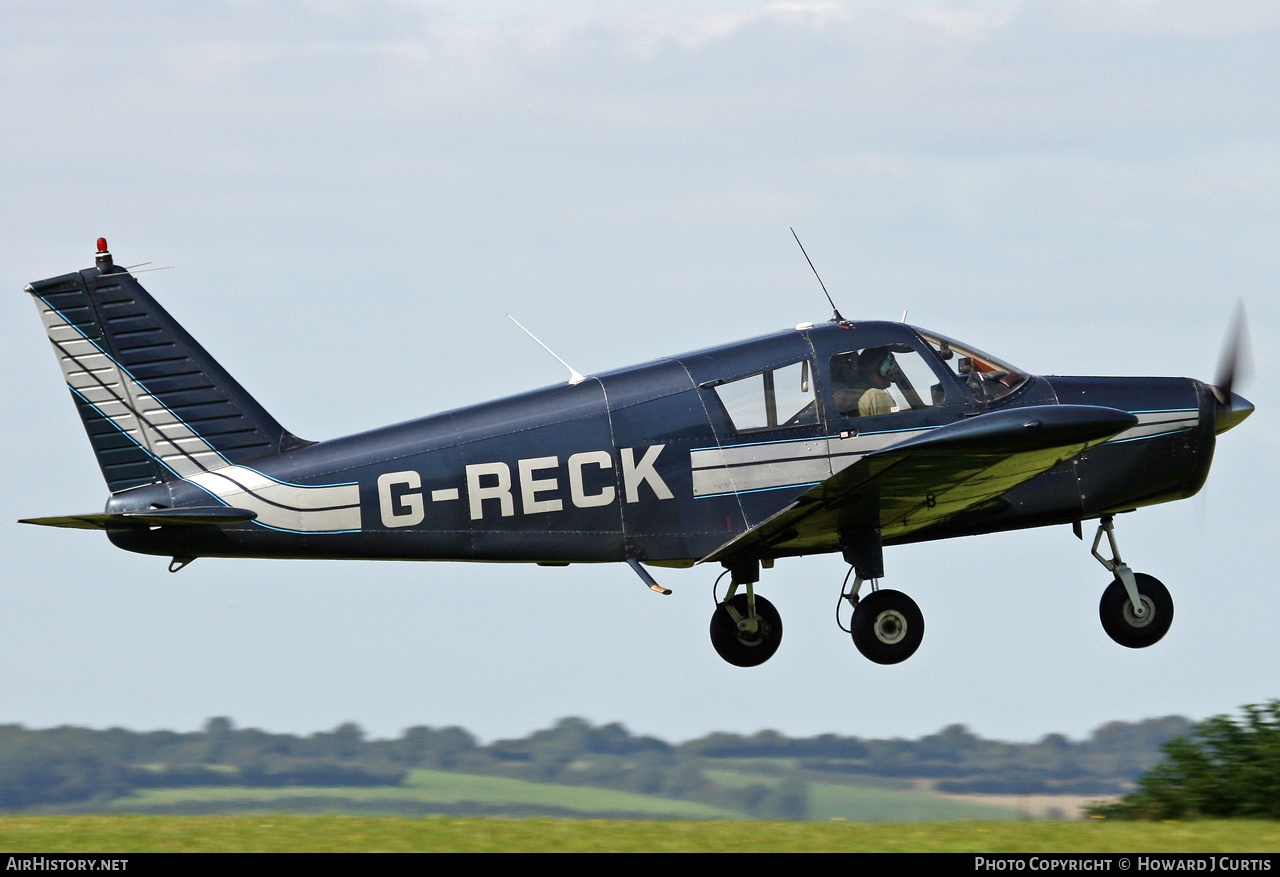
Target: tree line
[[81, 768]]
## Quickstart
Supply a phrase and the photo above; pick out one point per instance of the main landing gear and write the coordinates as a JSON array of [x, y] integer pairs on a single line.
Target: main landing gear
[[1136, 609], [745, 629], [887, 626]]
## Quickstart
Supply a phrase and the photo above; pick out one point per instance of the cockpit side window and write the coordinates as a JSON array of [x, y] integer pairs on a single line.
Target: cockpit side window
[[775, 399], [883, 380], [986, 377]]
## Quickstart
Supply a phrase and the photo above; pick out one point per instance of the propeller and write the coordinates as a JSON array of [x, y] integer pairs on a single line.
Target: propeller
[[1234, 364]]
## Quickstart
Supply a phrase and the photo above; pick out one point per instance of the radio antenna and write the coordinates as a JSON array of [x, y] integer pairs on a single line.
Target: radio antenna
[[574, 376], [835, 313]]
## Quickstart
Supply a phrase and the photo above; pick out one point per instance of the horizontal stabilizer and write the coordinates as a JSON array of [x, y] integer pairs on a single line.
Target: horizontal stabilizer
[[194, 517]]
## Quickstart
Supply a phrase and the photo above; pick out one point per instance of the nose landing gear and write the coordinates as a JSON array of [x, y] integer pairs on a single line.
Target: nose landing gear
[[1136, 609]]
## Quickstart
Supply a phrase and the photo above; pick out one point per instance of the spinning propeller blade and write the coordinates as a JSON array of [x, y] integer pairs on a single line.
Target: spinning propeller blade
[[1233, 365]]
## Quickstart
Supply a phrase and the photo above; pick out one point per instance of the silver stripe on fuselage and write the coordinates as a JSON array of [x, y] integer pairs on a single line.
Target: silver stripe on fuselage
[[284, 506], [763, 452], [768, 465], [740, 468], [759, 476], [1154, 423], [845, 451]]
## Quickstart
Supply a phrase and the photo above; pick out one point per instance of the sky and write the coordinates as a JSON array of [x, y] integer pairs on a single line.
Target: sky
[[347, 198]]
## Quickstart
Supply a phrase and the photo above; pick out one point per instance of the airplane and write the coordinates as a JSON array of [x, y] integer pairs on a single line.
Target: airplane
[[843, 436]]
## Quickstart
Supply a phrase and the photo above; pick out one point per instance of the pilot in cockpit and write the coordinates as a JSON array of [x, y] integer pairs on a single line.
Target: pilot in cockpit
[[877, 366], [860, 382]]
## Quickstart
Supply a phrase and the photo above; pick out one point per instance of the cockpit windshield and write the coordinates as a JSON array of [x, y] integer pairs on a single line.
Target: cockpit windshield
[[986, 377]]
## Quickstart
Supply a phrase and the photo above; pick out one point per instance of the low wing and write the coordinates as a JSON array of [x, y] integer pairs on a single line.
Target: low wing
[[931, 478], [189, 517]]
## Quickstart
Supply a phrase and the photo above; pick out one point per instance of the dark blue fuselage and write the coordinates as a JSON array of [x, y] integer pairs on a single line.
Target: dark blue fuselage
[[650, 463]]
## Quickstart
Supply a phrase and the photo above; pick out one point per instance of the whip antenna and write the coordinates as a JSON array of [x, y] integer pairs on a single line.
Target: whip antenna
[[574, 376], [835, 313]]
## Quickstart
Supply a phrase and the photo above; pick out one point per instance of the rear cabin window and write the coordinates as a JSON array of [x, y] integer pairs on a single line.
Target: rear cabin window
[[776, 399]]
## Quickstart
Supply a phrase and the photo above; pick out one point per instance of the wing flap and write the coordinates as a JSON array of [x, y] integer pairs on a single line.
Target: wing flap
[[929, 478]]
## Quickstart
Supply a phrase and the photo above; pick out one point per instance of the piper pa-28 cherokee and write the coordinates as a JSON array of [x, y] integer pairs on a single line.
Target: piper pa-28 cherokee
[[844, 436]]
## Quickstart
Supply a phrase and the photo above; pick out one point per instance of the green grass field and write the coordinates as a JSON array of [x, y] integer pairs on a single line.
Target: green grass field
[[290, 833], [876, 799], [427, 792]]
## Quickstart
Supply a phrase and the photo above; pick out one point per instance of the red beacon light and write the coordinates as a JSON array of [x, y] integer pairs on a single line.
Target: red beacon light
[[103, 259]]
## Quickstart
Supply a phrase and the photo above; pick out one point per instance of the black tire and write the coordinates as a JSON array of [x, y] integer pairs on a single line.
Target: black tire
[[738, 648], [887, 627], [1116, 612]]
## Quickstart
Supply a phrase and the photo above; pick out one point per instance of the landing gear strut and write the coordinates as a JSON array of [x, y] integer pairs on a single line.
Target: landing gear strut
[[1136, 609], [745, 628], [887, 626]]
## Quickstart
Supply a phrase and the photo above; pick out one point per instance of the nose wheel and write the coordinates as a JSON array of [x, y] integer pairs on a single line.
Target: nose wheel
[[1136, 609], [1136, 629]]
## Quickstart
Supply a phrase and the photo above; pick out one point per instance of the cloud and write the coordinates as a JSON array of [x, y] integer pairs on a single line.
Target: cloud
[[926, 75], [1187, 18]]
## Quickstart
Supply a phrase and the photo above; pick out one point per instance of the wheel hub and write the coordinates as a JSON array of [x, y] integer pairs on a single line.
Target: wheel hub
[[1133, 619], [756, 636], [890, 626]]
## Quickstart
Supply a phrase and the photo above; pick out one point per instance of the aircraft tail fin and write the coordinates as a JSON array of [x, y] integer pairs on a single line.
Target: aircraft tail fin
[[156, 406]]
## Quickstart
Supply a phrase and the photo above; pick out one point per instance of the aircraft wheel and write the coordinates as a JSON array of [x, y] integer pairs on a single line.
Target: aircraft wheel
[[887, 627], [1119, 621], [742, 649]]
